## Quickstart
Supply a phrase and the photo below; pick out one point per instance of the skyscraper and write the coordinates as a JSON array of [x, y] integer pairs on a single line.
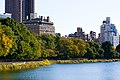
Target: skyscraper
[[29, 7], [108, 32], [20, 9], [15, 8]]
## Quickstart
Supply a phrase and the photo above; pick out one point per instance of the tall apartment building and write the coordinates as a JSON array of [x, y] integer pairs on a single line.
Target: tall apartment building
[[20, 9], [28, 9], [14, 7], [108, 32]]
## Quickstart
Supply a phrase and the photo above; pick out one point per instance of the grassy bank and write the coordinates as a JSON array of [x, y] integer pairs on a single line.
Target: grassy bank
[[84, 61], [6, 66]]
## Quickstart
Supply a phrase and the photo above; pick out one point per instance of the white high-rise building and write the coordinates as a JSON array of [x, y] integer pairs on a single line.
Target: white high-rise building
[[108, 32]]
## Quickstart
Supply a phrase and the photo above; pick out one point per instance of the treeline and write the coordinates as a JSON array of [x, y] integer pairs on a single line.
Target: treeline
[[65, 48], [17, 42]]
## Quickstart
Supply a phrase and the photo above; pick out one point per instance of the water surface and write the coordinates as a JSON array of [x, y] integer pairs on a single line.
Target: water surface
[[86, 71]]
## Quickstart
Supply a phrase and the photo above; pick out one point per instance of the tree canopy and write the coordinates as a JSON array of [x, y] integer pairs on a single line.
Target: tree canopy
[[17, 42]]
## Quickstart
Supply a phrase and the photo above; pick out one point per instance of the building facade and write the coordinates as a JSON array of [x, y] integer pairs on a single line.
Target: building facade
[[108, 32], [20, 9], [40, 25], [14, 7], [93, 35], [79, 34], [28, 9]]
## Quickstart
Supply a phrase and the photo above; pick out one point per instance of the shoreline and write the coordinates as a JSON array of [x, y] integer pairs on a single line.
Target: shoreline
[[84, 61], [12, 66]]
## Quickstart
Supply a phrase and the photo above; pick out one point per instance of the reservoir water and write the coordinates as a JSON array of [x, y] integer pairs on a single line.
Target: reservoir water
[[85, 71]]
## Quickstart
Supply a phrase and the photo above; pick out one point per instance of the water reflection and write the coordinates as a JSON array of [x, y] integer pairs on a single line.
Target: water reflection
[[87, 71]]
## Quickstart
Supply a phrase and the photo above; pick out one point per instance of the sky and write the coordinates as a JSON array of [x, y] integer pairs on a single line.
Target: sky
[[67, 15]]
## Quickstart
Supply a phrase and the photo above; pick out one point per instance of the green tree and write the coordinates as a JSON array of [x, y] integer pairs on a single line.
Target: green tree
[[118, 48], [109, 51], [96, 50], [51, 53], [67, 48], [90, 54], [81, 46], [24, 44], [49, 41]]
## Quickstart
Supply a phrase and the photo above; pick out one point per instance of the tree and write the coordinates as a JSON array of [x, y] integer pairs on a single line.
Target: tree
[[67, 49], [49, 41], [118, 48], [94, 50], [101, 54], [90, 54], [6, 40], [51, 53], [22, 44], [109, 51], [81, 46]]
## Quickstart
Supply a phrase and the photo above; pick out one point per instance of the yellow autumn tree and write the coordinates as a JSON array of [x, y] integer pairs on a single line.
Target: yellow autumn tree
[[7, 44]]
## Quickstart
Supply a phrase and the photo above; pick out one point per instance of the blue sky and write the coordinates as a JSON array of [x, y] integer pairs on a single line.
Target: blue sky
[[67, 15]]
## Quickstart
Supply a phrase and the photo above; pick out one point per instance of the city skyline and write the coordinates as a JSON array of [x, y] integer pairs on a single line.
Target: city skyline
[[68, 15]]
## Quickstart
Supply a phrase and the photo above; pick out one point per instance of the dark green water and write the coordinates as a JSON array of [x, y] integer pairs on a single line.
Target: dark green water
[[87, 71]]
